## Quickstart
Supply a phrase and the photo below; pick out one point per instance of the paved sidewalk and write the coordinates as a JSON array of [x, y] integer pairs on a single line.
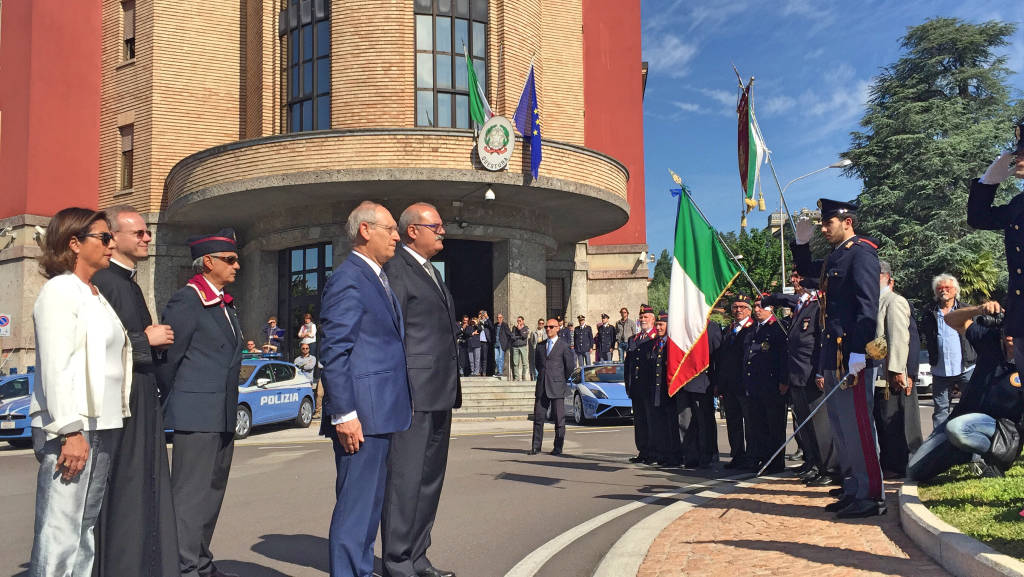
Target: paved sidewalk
[[779, 527]]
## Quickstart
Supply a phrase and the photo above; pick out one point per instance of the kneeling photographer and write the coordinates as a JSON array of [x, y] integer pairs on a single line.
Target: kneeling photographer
[[987, 421]]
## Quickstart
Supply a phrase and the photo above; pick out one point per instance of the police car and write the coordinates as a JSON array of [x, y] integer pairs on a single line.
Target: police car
[[272, 391], [598, 392], [15, 397]]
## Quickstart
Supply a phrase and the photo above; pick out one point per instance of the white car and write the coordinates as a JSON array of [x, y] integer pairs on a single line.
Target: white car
[[924, 375]]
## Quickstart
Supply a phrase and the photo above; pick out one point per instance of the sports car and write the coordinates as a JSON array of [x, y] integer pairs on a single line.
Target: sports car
[[272, 392], [15, 397], [598, 392]]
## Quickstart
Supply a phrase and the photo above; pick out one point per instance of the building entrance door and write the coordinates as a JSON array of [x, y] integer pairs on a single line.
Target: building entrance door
[[466, 266], [305, 270]]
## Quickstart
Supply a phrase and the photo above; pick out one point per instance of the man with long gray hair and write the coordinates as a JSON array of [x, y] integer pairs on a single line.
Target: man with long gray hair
[[949, 353]]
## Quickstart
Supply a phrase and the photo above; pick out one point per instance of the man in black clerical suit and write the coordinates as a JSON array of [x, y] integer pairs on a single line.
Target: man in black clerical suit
[[199, 384], [555, 362], [419, 454], [136, 534]]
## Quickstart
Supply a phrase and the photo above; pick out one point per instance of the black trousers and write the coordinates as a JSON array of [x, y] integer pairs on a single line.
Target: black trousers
[[767, 428], [735, 413], [663, 432], [805, 437], [416, 469], [898, 423], [697, 430], [641, 427], [200, 466], [540, 409]]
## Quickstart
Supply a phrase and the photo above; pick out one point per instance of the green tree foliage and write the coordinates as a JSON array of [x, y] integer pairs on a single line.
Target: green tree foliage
[[761, 259], [935, 119], [657, 291]]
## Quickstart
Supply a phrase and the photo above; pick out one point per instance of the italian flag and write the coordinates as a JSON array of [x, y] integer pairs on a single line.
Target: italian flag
[[701, 272], [479, 109], [750, 147]]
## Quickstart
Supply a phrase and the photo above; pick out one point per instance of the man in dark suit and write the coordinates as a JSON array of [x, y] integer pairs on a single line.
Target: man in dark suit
[[605, 339], [764, 377], [695, 409], [803, 346], [199, 382], [729, 382], [582, 341], [637, 389], [366, 387], [555, 362], [419, 455]]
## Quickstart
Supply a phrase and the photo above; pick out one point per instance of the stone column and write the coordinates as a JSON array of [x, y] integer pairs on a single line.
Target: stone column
[[519, 271], [578, 293]]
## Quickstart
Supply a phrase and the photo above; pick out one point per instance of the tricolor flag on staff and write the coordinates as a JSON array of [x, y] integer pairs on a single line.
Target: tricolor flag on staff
[[479, 110], [750, 146], [701, 273]]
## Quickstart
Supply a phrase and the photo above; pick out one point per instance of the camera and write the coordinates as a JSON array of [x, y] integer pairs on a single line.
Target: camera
[[990, 321]]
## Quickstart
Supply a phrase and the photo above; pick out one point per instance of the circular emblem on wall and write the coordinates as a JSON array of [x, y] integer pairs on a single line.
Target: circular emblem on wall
[[495, 142]]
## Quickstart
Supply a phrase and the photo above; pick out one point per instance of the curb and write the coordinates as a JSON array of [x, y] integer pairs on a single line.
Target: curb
[[955, 552], [628, 553]]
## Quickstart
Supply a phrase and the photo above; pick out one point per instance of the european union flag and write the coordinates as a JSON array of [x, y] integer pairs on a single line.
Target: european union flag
[[527, 121]]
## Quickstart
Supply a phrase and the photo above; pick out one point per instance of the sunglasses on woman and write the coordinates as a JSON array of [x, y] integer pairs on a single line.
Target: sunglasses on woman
[[103, 237]]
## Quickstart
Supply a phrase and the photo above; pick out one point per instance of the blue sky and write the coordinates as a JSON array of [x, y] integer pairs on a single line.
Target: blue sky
[[813, 61]]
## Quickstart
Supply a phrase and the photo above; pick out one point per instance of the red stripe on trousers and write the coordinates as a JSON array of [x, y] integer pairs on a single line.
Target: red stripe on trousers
[[867, 439]]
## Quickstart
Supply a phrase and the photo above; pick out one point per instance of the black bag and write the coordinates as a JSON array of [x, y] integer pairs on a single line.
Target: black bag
[[1006, 445]]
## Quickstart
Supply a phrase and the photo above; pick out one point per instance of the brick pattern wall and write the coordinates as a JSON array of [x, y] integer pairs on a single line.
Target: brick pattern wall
[[255, 91], [514, 31], [560, 91], [361, 151], [125, 98], [372, 64]]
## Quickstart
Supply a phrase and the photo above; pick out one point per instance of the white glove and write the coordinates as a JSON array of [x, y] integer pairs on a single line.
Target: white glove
[[804, 230], [857, 363], [999, 170]]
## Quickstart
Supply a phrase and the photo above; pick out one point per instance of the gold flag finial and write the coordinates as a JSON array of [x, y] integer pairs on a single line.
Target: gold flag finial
[[675, 177]]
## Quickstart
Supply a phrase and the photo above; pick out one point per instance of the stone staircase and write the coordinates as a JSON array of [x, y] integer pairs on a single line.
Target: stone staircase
[[489, 395]]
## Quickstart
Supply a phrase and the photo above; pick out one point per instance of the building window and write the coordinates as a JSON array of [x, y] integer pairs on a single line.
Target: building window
[[556, 296], [127, 136], [446, 30], [128, 14], [306, 28], [305, 270]]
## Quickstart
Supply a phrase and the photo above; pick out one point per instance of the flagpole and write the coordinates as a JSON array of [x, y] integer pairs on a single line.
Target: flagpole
[[743, 269]]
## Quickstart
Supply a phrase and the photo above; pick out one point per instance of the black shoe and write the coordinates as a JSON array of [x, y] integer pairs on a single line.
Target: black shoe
[[795, 456], [860, 509], [637, 459], [435, 572], [837, 492], [808, 473], [532, 452], [556, 452], [820, 481], [840, 504]]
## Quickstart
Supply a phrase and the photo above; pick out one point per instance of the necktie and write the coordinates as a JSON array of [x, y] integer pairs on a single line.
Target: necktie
[[387, 288], [433, 276], [551, 343]]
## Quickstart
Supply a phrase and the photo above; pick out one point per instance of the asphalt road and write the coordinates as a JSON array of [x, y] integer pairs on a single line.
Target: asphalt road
[[500, 512]]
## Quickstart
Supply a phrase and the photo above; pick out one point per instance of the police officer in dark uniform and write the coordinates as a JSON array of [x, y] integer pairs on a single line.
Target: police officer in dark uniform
[[729, 382], [764, 378], [848, 281], [633, 366], [803, 351], [663, 427], [1010, 219]]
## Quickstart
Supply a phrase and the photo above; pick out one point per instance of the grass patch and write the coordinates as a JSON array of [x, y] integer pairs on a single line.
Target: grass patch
[[986, 509]]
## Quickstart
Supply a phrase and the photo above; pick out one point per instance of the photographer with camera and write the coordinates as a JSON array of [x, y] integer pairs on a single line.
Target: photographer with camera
[[987, 421]]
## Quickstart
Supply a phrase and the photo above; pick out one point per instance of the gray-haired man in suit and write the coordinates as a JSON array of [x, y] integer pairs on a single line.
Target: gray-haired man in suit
[[555, 361]]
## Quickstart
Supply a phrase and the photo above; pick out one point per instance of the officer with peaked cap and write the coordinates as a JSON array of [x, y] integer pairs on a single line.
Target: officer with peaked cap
[[633, 367], [848, 281], [764, 378], [729, 382], [199, 383], [662, 422], [1010, 219]]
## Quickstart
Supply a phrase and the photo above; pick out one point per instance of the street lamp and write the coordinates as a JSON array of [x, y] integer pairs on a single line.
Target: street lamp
[[842, 163]]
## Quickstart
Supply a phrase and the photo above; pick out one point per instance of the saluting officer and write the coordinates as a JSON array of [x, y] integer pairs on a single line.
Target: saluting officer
[[637, 393], [1010, 219], [848, 280], [764, 378]]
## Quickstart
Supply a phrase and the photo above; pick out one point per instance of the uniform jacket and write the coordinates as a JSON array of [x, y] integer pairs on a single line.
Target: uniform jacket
[[605, 337], [1010, 219], [702, 382], [894, 325], [728, 377], [803, 338], [70, 359], [431, 333], [582, 338], [199, 379], [553, 369], [930, 329], [848, 284], [362, 351], [633, 364], [654, 369], [764, 362]]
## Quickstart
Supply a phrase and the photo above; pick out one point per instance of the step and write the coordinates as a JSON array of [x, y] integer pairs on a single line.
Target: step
[[497, 402]]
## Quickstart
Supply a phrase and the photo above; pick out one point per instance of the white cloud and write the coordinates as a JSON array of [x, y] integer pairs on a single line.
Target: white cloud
[[818, 12], [709, 17], [669, 55], [774, 105], [723, 97], [689, 107]]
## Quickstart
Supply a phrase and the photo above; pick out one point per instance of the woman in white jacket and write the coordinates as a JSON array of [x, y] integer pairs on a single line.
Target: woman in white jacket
[[83, 364]]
